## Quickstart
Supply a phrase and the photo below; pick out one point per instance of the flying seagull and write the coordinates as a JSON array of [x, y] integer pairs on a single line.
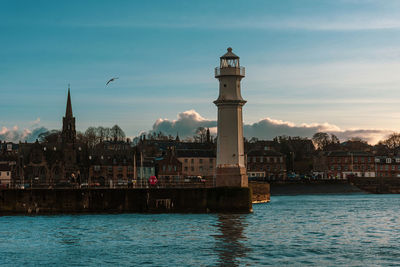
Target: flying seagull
[[111, 80]]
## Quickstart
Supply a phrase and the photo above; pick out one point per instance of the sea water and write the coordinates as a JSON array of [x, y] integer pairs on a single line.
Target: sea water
[[319, 230]]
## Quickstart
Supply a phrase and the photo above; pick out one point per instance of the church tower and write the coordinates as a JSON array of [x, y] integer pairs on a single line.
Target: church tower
[[68, 133], [231, 169]]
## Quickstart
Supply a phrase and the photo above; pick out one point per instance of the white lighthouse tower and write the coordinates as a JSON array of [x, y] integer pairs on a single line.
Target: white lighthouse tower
[[231, 170]]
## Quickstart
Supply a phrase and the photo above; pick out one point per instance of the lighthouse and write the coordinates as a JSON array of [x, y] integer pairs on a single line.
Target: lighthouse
[[231, 169]]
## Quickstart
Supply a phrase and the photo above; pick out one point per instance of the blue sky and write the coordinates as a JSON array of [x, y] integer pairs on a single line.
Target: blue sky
[[332, 63]]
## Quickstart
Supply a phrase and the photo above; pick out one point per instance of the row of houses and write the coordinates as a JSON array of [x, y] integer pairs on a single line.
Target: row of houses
[[344, 164], [113, 164]]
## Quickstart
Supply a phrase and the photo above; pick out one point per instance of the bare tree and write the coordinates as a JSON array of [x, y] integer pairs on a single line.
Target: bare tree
[[334, 139], [91, 136], [321, 140], [201, 135], [393, 141], [49, 136], [117, 133]]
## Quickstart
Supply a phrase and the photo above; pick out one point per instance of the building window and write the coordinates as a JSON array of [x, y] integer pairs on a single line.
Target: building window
[[201, 168], [346, 168], [211, 160], [388, 160], [163, 168], [362, 160], [339, 168], [200, 160], [261, 159], [356, 160], [393, 167], [192, 169], [192, 161], [186, 168], [169, 168], [333, 167], [386, 167], [186, 160]]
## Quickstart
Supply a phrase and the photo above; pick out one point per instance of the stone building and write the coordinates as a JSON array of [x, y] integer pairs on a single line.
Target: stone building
[[387, 166], [266, 164], [51, 164], [169, 169], [197, 163], [8, 162], [5, 175], [343, 164]]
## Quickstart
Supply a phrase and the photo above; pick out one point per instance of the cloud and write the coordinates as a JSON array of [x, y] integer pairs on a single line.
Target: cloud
[[269, 128], [35, 122], [187, 123], [16, 135]]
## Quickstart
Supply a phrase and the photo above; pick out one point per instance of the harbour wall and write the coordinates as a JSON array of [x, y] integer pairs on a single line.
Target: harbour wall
[[152, 200], [313, 187], [260, 192], [377, 185]]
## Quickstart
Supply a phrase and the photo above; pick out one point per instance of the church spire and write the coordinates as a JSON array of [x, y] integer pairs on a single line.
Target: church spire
[[68, 112], [68, 133]]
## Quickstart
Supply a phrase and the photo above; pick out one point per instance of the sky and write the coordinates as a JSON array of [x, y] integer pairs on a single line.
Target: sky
[[310, 65]]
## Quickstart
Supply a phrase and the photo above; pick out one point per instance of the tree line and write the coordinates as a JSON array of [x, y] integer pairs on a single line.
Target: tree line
[[92, 136]]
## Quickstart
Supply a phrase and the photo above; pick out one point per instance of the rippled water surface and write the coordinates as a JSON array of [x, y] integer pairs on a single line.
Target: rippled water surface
[[350, 230]]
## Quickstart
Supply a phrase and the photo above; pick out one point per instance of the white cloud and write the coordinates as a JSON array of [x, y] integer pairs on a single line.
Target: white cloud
[[35, 122], [185, 125], [16, 135], [188, 121]]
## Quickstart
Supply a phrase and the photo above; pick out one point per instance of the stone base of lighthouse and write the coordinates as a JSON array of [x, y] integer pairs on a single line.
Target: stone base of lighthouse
[[231, 177]]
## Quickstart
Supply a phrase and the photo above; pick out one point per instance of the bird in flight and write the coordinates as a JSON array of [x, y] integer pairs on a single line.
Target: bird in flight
[[111, 80]]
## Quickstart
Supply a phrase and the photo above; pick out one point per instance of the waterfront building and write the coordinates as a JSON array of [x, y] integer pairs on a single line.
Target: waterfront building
[[110, 167], [5, 175], [8, 162], [197, 163], [169, 168], [344, 164], [268, 164], [387, 166], [231, 169]]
